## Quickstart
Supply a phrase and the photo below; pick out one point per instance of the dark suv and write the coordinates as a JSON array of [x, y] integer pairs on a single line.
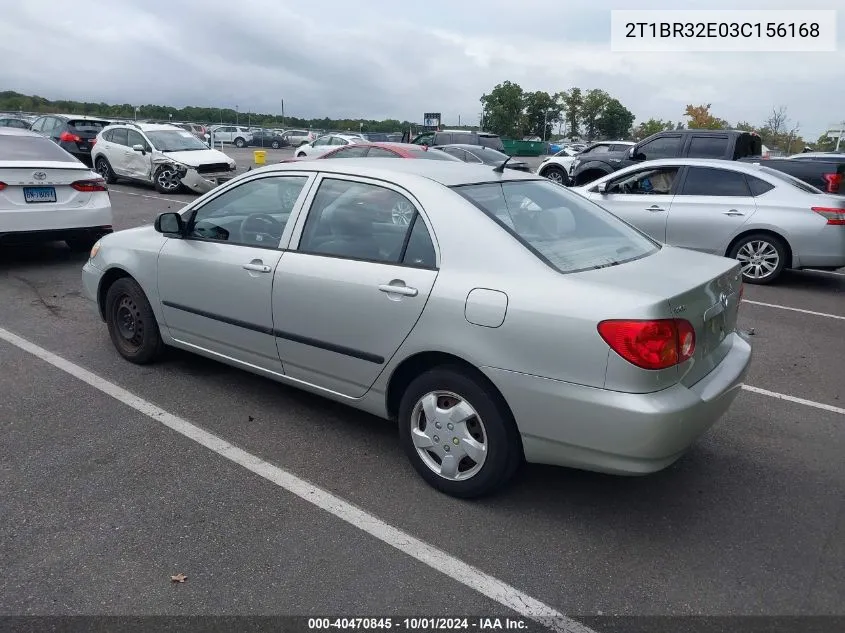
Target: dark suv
[[460, 137], [694, 143], [74, 134]]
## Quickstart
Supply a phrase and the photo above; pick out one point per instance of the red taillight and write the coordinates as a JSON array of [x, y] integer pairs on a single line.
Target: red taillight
[[2, 186], [89, 186], [93, 141], [833, 181], [655, 344], [831, 214], [69, 138]]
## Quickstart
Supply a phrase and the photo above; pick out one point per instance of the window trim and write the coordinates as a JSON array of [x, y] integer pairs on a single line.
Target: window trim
[[305, 209], [456, 188], [189, 214]]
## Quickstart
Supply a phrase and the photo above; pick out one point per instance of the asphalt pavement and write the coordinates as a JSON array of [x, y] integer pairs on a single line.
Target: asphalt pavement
[[102, 502]]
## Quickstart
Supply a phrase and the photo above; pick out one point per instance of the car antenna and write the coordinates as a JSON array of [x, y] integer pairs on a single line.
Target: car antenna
[[501, 168]]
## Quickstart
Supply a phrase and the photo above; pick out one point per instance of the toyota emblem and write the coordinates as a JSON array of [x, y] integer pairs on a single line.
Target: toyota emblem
[[39, 175]]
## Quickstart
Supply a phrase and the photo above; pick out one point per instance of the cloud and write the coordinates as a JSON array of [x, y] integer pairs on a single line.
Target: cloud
[[378, 58]]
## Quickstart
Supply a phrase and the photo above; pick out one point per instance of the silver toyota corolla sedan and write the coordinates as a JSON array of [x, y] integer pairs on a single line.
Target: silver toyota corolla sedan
[[765, 218], [511, 320]]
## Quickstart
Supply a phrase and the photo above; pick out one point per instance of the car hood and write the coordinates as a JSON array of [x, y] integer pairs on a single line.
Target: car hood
[[195, 158]]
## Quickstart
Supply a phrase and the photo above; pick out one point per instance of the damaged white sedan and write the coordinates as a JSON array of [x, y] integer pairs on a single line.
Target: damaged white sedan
[[163, 155]]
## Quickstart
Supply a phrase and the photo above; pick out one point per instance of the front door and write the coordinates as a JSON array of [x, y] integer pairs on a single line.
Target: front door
[[215, 285], [352, 291], [642, 198], [709, 209], [138, 164]]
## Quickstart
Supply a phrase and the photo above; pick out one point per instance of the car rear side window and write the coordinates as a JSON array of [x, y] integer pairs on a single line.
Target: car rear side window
[[358, 220], [120, 136], [35, 148], [710, 181], [494, 142], [795, 182], [420, 248], [758, 186], [565, 230], [708, 147]]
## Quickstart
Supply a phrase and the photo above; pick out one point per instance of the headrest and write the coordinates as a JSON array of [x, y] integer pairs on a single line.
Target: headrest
[[556, 222]]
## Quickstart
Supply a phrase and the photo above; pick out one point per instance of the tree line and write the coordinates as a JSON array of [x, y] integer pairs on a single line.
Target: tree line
[[596, 115]]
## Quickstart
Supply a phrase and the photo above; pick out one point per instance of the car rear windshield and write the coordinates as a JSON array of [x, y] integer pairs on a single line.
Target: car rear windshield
[[568, 232], [35, 148], [88, 126], [792, 180], [748, 145], [432, 154], [490, 141]]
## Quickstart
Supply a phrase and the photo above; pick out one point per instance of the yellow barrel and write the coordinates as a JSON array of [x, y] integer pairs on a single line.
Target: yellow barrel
[[260, 155]]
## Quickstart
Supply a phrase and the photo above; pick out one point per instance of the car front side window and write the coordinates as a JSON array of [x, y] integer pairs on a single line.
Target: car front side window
[[254, 213], [657, 181]]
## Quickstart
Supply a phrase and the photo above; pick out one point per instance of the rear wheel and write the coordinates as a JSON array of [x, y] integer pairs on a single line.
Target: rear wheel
[[131, 322], [761, 256], [239, 142], [275, 144], [556, 174], [104, 169], [458, 435], [167, 179]]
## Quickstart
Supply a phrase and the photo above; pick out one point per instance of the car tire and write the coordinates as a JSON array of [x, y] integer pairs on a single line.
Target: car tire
[[102, 167], [166, 180], [763, 257], [491, 426], [81, 244], [301, 155], [240, 143], [556, 174], [275, 145], [132, 323]]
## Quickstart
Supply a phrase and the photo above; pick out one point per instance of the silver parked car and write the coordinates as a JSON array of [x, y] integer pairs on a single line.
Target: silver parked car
[[765, 218], [509, 320]]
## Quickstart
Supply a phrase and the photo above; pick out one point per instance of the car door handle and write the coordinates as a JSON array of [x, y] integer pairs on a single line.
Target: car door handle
[[732, 212], [655, 209], [399, 290], [257, 266]]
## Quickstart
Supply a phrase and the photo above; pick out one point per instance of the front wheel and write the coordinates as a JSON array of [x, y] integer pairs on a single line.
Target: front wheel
[[458, 435], [762, 257], [275, 144], [167, 179], [556, 174], [301, 155], [131, 322]]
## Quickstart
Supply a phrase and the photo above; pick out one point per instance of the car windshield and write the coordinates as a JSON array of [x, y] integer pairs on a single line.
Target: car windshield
[[175, 141], [35, 148], [795, 182], [568, 232]]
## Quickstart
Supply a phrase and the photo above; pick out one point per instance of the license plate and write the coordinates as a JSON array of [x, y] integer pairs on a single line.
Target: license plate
[[39, 194]]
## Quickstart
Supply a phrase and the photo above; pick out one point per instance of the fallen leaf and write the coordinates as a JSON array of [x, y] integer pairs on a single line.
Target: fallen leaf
[[178, 578]]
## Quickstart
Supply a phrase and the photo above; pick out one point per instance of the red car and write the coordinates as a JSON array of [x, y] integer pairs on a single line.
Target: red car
[[382, 150]]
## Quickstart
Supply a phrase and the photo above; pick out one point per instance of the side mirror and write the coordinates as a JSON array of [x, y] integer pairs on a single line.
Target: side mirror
[[602, 188], [139, 148], [170, 224]]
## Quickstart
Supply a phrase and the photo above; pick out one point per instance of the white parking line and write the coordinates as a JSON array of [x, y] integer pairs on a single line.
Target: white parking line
[[805, 402], [427, 554], [144, 195], [802, 310]]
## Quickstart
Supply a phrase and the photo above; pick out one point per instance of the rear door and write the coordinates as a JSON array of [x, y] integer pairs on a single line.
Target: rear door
[[642, 198], [352, 289], [709, 209]]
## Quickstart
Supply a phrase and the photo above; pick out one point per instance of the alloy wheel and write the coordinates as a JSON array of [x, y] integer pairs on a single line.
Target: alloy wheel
[[402, 213], [168, 179], [758, 259]]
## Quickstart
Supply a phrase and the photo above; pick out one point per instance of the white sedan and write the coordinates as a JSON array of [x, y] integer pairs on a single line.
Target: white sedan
[[558, 167], [327, 143], [46, 194]]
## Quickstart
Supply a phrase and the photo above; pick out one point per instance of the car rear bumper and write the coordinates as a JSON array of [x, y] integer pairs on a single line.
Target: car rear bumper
[[58, 219], [822, 249], [622, 433]]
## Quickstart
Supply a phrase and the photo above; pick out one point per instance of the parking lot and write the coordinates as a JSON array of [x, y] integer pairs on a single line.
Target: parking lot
[[270, 500]]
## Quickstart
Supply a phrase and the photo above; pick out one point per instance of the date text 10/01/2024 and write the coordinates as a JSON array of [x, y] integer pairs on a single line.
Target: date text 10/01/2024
[[722, 29], [419, 624]]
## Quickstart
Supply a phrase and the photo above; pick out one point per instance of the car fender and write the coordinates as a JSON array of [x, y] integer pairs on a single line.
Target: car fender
[[750, 227]]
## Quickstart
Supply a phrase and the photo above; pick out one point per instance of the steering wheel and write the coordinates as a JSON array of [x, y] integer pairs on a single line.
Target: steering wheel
[[261, 228]]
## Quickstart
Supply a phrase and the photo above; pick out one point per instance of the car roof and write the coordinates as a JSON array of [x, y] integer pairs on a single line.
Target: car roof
[[77, 117], [718, 163], [446, 173], [16, 131], [469, 146]]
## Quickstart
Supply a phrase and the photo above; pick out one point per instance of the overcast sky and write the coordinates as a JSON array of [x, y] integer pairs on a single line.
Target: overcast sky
[[395, 58]]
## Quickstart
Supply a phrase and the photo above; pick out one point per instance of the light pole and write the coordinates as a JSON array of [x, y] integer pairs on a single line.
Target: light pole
[[236, 115], [839, 138], [283, 113], [137, 108]]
